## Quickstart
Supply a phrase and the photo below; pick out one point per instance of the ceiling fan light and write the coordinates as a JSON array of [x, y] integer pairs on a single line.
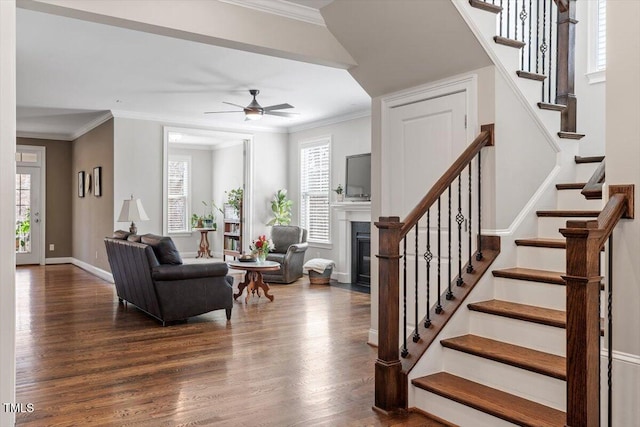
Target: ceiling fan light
[[253, 115]]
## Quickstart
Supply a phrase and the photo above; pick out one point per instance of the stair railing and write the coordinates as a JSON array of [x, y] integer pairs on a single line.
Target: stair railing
[[545, 30], [585, 241], [456, 188]]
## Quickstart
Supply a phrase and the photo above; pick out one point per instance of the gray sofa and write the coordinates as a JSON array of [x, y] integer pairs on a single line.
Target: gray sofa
[[290, 245], [148, 272]]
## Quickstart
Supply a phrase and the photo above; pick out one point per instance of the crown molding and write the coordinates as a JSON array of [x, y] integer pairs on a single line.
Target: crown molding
[[44, 135], [203, 123], [330, 121], [92, 125], [282, 8]]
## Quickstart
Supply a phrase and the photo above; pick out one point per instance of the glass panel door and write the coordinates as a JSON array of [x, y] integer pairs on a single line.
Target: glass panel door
[[28, 221]]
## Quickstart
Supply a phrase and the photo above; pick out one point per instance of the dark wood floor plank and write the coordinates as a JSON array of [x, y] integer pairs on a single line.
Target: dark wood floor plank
[[83, 359]]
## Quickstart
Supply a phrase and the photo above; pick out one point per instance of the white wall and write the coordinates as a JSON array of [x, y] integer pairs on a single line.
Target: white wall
[[347, 138], [623, 159], [138, 169], [7, 214], [591, 97], [228, 173]]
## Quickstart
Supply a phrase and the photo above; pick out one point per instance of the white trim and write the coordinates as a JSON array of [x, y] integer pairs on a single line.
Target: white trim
[[596, 77], [309, 143], [632, 359], [58, 260], [44, 135], [203, 123], [189, 202], [282, 8], [92, 125], [528, 207], [373, 337], [508, 76], [467, 83], [42, 165], [87, 127], [330, 121], [593, 30], [104, 275]]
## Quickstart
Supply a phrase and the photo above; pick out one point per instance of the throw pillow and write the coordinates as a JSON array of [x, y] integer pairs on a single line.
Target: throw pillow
[[163, 247], [134, 238], [121, 234]]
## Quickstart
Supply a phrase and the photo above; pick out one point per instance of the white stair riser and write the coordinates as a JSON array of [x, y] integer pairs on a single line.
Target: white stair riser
[[549, 226], [542, 258], [584, 171], [531, 293], [573, 199], [519, 332], [454, 412], [520, 382]]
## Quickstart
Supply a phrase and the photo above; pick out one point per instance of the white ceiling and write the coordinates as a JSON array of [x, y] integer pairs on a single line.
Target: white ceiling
[[72, 72]]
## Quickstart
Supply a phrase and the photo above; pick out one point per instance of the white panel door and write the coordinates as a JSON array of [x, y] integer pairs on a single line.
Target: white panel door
[[425, 137], [28, 215]]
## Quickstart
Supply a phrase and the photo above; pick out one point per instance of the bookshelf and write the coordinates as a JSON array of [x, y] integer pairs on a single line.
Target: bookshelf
[[232, 233]]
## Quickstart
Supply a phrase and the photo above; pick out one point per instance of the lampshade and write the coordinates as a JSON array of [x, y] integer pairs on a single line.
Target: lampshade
[[253, 114], [132, 210]]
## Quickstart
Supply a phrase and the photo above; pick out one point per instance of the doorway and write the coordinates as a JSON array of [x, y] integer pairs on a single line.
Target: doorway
[[29, 205]]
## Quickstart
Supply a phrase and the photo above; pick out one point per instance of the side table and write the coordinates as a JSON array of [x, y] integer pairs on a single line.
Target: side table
[[203, 250]]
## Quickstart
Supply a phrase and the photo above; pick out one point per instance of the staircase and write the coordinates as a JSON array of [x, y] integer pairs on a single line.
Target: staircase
[[511, 366]]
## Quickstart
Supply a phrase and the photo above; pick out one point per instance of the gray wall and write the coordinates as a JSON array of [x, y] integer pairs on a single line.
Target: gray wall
[[59, 193], [92, 217]]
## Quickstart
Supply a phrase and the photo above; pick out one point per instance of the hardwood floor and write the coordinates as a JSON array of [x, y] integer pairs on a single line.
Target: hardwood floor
[[83, 359]]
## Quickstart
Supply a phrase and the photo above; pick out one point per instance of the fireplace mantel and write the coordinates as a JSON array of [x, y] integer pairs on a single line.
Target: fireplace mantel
[[346, 213]]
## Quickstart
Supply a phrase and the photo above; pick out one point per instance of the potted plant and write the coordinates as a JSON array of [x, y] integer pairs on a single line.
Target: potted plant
[[340, 192], [234, 198], [209, 219], [281, 208]]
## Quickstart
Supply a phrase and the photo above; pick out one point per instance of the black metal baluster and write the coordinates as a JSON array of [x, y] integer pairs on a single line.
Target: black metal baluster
[[530, 42], [543, 46], [416, 334], [515, 10], [428, 256], [405, 351], [479, 254], [610, 337], [459, 220], [508, 18], [470, 207], [523, 17], [537, 36], [449, 291], [439, 305], [551, 73], [501, 13]]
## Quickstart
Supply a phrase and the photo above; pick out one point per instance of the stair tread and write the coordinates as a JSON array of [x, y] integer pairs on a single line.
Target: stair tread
[[530, 313], [571, 186], [509, 42], [569, 213], [514, 355], [531, 76], [481, 4], [531, 274], [588, 159], [571, 135], [552, 107], [492, 401], [543, 243]]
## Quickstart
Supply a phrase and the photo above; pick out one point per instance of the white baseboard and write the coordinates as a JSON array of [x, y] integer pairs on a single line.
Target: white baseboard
[[373, 337], [59, 260], [341, 277], [626, 393], [104, 275]]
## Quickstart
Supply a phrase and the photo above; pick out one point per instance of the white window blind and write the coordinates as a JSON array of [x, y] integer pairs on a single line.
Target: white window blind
[[179, 169], [314, 190], [601, 42]]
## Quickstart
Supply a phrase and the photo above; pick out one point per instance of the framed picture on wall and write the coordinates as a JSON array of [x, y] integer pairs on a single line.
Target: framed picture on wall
[[97, 181], [81, 184]]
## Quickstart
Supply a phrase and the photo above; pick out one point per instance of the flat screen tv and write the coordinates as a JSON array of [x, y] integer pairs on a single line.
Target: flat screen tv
[[358, 177]]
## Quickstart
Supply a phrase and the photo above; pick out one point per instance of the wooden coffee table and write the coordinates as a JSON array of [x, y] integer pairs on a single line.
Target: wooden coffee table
[[253, 278]]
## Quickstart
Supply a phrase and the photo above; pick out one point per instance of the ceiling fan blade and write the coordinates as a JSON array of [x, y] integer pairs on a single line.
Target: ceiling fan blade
[[281, 114], [235, 105], [216, 112], [278, 107]]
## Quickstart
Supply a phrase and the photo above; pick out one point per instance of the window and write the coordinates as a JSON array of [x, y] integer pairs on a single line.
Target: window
[[179, 194], [597, 41], [314, 189]]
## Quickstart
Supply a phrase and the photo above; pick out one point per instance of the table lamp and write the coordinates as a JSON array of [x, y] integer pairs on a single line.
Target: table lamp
[[132, 210]]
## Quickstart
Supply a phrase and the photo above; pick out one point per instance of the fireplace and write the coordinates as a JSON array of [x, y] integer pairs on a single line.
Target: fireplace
[[348, 214], [361, 253]]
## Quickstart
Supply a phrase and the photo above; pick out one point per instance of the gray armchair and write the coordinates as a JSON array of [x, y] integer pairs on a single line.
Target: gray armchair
[[290, 245]]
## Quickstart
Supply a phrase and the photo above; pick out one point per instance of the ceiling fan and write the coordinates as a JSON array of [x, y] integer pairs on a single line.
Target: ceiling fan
[[255, 111]]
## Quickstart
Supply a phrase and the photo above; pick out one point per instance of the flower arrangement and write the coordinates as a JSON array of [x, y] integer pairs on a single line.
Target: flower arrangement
[[261, 247]]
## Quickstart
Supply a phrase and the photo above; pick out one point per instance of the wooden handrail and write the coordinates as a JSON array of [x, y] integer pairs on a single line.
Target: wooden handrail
[[484, 139], [585, 240], [593, 188]]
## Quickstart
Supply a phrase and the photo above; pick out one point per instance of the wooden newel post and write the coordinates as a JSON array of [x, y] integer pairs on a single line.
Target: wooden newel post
[[389, 395], [583, 322], [566, 64]]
